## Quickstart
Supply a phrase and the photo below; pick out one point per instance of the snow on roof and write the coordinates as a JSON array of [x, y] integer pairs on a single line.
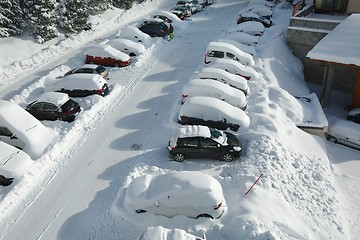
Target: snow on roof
[[122, 43], [161, 233], [209, 108], [243, 47], [181, 188], [105, 51], [227, 47], [133, 33], [56, 98], [243, 37], [216, 89], [27, 128], [341, 45], [76, 81], [13, 161], [224, 76], [251, 27], [167, 14], [313, 114], [234, 67], [344, 127], [193, 131]]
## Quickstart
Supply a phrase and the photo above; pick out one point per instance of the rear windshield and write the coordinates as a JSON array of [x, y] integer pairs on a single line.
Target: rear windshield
[[100, 69], [69, 105]]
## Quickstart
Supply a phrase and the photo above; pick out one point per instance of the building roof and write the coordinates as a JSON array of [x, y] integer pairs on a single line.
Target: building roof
[[341, 45]]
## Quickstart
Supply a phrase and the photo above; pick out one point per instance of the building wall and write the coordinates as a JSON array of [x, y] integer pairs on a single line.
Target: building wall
[[353, 6]]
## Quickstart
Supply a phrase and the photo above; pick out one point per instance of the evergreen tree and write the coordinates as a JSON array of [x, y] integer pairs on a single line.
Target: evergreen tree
[[98, 6], [74, 15], [9, 24], [123, 4], [41, 19]]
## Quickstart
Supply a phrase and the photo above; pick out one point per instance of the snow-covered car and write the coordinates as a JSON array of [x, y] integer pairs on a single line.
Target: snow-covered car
[[235, 67], [223, 76], [106, 55], [155, 28], [244, 38], [133, 33], [13, 161], [213, 113], [193, 194], [22, 130], [199, 7], [54, 106], [250, 27], [127, 46], [197, 141], [161, 233], [354, 115], [344, 132], [90, 69], [242, 46], [262, 11], [185, 10], [215, 89], [245, 17], [179, 13], [228, 51], [79, 85]]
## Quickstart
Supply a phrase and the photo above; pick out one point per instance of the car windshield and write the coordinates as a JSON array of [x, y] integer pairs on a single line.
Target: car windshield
[[218, 136], [100, 69], [68, 105]]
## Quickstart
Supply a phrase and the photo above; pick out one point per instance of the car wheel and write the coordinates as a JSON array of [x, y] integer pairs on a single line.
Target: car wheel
[[179, 157], [132, 54], [116, 65], [138, 211], [204, 215], [227, 157], [331, 138]]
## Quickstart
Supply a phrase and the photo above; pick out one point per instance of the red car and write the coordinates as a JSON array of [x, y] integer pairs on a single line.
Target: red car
[[106, 55]]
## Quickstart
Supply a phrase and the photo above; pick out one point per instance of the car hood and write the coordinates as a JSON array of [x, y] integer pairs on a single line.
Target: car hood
[[232, 140]]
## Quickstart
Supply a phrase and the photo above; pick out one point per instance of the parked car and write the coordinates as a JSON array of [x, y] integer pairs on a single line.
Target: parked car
[[193, 194], [179, 13], [344, 132], [167, 16], [213, 113], [354, 115], [250, 27], [133, 33], [196, 141], [13, 162], [185, 10], [250, 49], [244, 38], [262, 11], [127, 46], [79, 85], [161, 233], [22, 130], [226, 50], [215, 89], [90, 69], [235, 67], [254, 17], [155, 28], [223, 76], [106, 55], [54, 106]]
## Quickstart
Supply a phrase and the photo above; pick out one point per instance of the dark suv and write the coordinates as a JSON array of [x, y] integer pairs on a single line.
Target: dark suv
[[197, 141], [155, 29]]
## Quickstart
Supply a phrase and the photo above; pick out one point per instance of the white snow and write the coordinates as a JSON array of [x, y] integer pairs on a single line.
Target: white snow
[[105, 51], [309, 187], [76, 81]]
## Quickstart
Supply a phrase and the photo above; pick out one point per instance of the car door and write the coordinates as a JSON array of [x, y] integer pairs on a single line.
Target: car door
[[191, 147], [8, 137], [51, 111], [165, 207], [209, 148]]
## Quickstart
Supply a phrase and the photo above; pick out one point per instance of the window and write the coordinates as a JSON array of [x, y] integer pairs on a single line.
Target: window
[[217, 54], [5, 132], [230, 55], [208, 143], [188, 142]]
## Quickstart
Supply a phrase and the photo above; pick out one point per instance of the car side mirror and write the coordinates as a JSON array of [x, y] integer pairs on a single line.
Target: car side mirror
[[13, 137]]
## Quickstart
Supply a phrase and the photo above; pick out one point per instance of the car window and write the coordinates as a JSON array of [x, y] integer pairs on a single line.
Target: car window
[[217, 54], [188, 142], [208, 143], [69, 105], [100, 69], [5, 132], [230, 55], [50, 107]]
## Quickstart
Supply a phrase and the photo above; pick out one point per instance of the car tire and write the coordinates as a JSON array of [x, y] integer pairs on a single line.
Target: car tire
[[227, 157], [179, 157], [204, 215], [116, 65], [138, 211], [331, 138]]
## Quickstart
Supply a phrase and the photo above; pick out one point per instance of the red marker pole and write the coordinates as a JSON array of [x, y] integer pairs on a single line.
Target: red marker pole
[[253, 184]]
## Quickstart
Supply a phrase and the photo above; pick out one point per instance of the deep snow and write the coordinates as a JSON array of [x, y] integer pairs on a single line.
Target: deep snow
[[309, 188]]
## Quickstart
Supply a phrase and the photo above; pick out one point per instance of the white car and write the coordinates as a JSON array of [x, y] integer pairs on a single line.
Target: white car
[[213, 113], [133, 33], [193, 194], [127, 46], [250, 27], [344, 132], [223, 76], [22, 130], [235, 67], [161, 233], [216, 89], [13, 161]]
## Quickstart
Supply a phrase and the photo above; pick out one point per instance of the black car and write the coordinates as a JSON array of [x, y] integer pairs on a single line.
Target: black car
[[256, 18], [354, 115], [90, 69], [155, 29], [197, 141], [54, 106]]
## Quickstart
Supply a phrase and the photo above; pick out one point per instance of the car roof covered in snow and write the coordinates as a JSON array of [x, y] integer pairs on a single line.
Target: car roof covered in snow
[[209, 108], [234, 67], [105, 51], [248, 26], [77, 81], [56, 98], [243, 47]]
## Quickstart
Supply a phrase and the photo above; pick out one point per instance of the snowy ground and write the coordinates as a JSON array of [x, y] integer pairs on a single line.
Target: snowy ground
[[309, 188]]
